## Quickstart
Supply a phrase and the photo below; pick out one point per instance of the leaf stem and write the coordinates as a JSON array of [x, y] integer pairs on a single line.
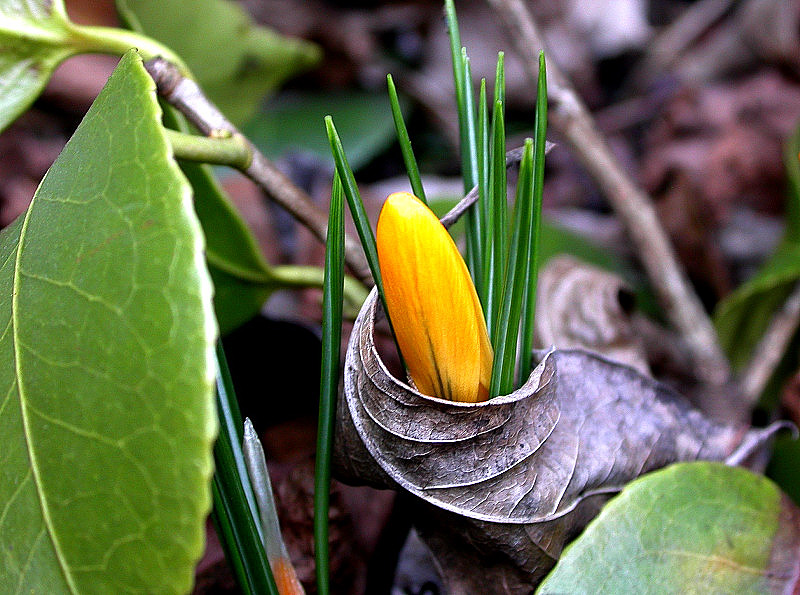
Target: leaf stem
[[290, 275], [231, 150], [112, 40], [187, 97]]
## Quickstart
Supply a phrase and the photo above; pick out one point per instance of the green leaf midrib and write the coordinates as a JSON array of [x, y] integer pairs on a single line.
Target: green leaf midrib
[[62, 564]]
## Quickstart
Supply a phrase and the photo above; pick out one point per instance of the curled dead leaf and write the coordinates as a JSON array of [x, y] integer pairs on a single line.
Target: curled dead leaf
[[579, 305], [517, 475]]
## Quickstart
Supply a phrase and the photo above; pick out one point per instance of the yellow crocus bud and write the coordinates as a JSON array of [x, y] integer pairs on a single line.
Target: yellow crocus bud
[[432, 303]]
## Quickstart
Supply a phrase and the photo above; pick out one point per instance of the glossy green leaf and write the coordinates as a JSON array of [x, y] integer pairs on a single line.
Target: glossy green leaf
[[290, 123], [690, 528], [33, 38], [37, 35], [107, 417], [235, 61], [243, 280]]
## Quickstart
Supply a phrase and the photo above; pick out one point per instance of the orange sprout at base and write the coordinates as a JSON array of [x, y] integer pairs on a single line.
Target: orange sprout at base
[[432, 303], [285, 577]]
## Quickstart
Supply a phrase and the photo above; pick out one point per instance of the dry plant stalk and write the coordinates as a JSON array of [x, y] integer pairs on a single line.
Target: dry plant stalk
[[635, 208]]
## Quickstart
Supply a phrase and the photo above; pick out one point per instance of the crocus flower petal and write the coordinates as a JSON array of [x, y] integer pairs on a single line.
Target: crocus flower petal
[[435, 311]]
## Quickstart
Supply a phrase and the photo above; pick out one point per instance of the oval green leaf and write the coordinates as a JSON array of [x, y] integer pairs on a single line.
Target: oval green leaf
[[107, 415], [690, 528], [235, 61]]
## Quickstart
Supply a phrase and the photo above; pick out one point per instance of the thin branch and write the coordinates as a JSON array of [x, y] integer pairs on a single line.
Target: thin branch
[[513, 158], [187, 97], [771, 348], [569, 114]]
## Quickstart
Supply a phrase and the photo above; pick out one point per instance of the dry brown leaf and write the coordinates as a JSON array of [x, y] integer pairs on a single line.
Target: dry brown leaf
[[516, 476], [579, 305]]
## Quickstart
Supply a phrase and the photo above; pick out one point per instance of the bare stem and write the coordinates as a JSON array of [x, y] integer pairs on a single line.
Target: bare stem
[[634, 207], [186, 96], [230, 151], [771, 348]]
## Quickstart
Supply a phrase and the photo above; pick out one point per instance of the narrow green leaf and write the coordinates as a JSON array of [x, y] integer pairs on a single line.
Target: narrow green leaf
[[499, 201], [469, 158], [500, 79], [359, 215], [498, 256], [507, 323], [462, 89], [455, 54], [329, 380], [235, 61], [235, 509], [107, 417], [222, 518], [689, 528], [348, 181], [484, 206], [405, 143], [532, 275]]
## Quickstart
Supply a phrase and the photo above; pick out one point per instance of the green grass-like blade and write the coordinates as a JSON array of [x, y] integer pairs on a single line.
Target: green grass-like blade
[[467, 143], [456, 54], [469, 157], [359, 214], [484, 207], [405, 142], [455, 42], [507, 324], [355, 203], [234, 504], [329, 379], [500, 79], [531, 278], [222, 516], [498, 256]]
